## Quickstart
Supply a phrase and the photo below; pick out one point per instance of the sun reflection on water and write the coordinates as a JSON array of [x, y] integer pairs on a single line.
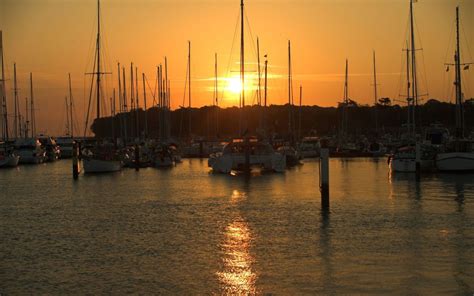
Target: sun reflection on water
[[237, 276]]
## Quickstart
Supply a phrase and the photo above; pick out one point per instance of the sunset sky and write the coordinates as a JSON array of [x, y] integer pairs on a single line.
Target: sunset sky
[[53, 37]]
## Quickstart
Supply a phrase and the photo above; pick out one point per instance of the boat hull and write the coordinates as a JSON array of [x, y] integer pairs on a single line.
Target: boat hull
[[408, 165], [455, 162], [94, 166], [226, 163], [10, 161]]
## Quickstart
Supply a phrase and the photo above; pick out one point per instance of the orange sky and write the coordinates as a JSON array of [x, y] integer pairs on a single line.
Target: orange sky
[[53, 37]]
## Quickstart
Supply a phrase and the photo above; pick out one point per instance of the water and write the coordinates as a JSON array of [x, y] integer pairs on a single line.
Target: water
[[186, 231]]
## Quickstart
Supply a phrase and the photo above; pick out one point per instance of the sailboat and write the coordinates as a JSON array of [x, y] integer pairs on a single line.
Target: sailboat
[[242, 153], [404, 159], [459, 154], [8, 158], [103, 157]]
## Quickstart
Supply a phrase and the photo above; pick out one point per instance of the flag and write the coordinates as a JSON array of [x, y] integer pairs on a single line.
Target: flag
[[466, 67]]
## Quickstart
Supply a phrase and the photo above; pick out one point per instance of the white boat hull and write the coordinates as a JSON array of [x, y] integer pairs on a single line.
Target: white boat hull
[[408, 165], [10, 161], [92, 166], [455, 161], [226, 163]]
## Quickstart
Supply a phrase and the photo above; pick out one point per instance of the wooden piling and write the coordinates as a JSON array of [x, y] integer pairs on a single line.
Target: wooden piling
[[75, 161], [324, 175]]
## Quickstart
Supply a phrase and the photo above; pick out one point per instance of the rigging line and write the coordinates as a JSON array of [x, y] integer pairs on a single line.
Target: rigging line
[[151, 91], [251, 34], [90, 97], [424, 76], [228, 70]]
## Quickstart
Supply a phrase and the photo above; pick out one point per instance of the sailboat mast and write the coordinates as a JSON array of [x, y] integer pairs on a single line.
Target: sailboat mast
[[17, 111], [259, 74], [189, 87], [98, 59], [242, 55], [299, 119], [265, 99], [67, 116], [32, 108], [144, 104], [71, 125], [119, 88], [216, 95], [26, 118], [375, 95], [413, 66], [459, 99], [4, 95], [289, 89]]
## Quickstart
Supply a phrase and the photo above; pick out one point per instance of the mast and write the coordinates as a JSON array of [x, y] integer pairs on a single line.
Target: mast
[[345, 101], [68, 132], [144, 103], [137, 103], [119, 88], [409, 107], [124, 101], [26, 118], [290, 95], [189, 87], [98, 59], [216, 95], [32, 108], [17, 111], [299, 119], [259, 78], [375, 96], [459, 99], [413, 67], [4, 94], [71, 125], [265, 99], [242, 61]]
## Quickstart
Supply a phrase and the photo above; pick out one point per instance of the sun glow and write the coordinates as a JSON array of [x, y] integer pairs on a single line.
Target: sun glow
[[234, 85]]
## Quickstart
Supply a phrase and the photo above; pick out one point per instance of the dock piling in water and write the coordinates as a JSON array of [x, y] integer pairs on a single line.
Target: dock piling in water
[[324, 175], [75, 162]]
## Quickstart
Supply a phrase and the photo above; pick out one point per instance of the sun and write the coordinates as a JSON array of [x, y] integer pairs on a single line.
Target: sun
[[234, 85]]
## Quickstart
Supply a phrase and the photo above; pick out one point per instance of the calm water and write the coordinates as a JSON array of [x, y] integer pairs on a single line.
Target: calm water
[[185, 231]]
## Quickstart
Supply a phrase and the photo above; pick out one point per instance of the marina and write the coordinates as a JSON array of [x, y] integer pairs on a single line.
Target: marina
[[301, 168]]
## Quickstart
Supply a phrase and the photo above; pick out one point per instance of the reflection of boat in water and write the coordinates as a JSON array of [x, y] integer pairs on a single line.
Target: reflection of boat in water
[[261, 154]]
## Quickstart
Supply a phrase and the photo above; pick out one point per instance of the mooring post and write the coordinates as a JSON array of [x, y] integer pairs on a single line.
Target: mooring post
[[75, 162], [324, 175], [137, 157], [418, 161]]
